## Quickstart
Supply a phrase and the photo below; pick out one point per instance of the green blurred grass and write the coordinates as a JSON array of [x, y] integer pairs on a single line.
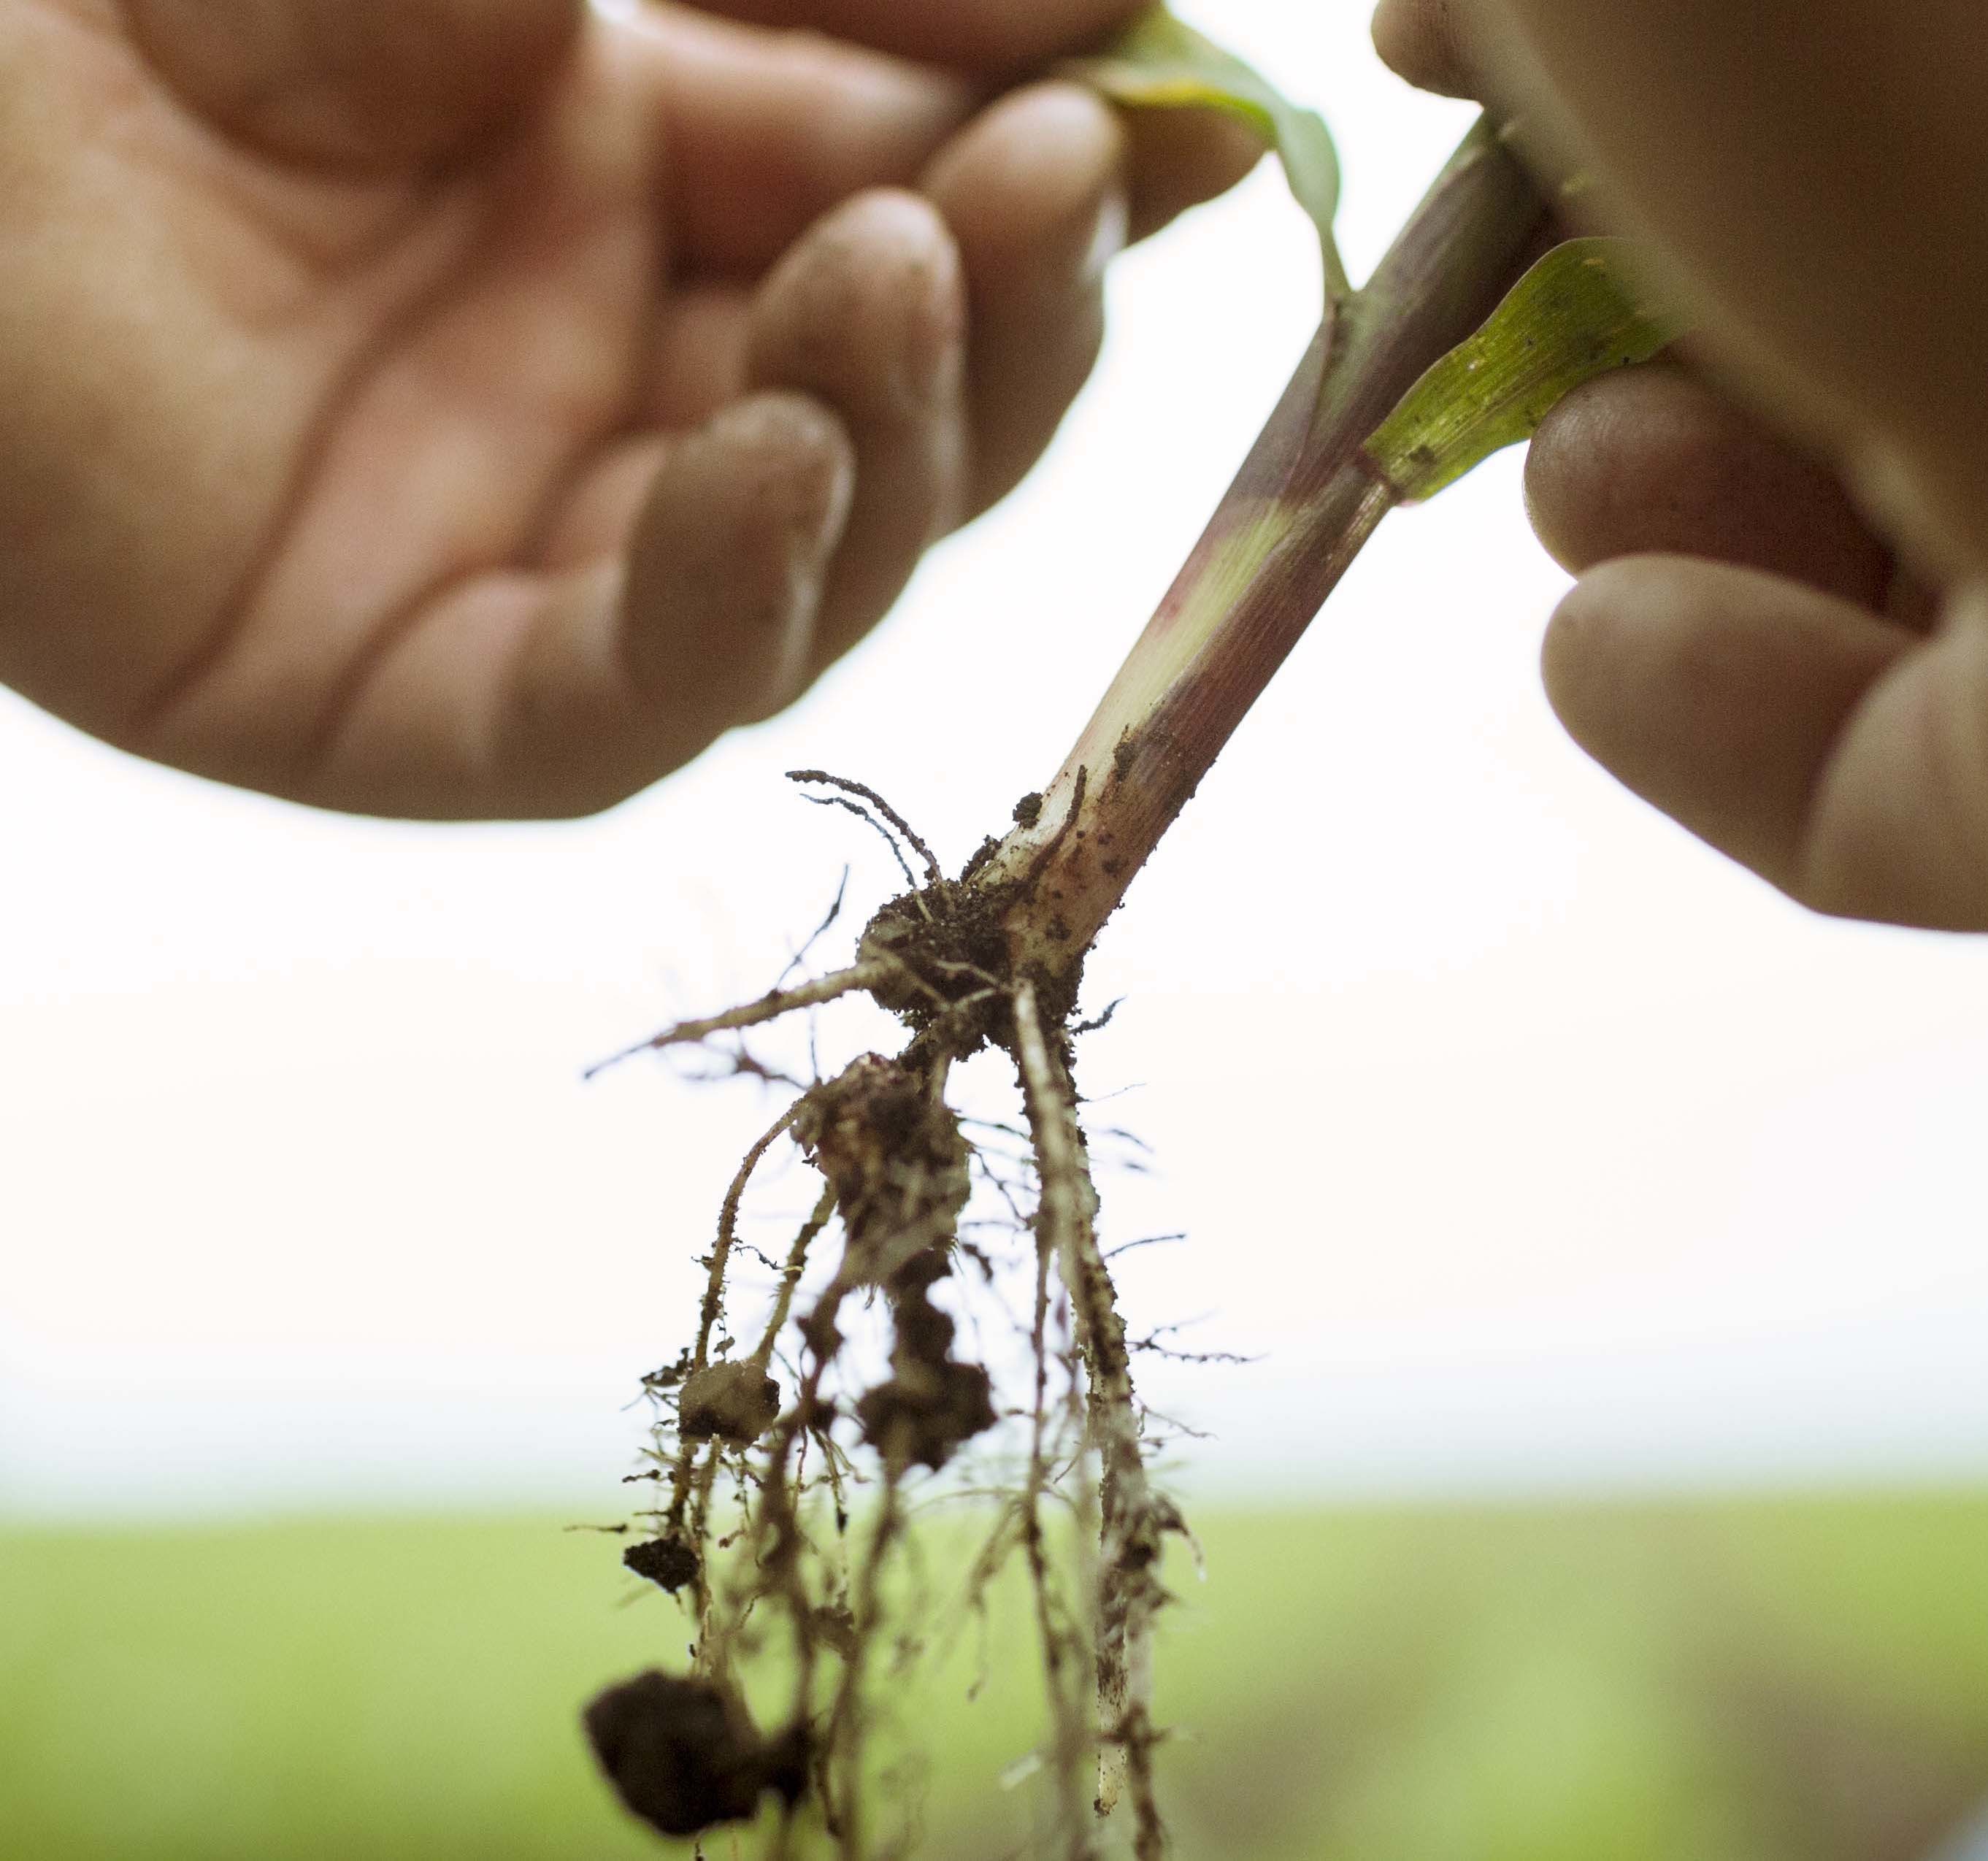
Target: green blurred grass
[[1791, 1681]]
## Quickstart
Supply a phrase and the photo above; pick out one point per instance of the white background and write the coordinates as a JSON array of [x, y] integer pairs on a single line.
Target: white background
[[1532, 1144]]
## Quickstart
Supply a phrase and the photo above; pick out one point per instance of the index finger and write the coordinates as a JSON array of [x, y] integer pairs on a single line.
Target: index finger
[[992, 35], [1421, 41]]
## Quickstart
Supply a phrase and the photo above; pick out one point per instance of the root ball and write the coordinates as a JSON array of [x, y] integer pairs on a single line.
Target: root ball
[[684, 1755], [729, 1401], [924, 1415], [670, 1563]]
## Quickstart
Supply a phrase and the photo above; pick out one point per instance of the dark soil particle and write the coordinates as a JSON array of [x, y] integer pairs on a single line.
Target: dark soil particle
[[1028, 810], [685, 1755], [951, 941], [932, 1405], [925, 1413], [983, 853], [729, 1401], [670, 1563]]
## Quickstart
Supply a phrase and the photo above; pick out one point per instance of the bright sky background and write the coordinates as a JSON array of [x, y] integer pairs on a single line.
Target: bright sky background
[[1529, 1142]]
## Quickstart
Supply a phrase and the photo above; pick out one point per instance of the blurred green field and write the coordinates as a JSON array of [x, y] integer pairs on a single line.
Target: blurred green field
[[1758, 1682]]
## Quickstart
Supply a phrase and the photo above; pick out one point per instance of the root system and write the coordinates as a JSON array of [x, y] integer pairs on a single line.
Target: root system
[[787, 1472]]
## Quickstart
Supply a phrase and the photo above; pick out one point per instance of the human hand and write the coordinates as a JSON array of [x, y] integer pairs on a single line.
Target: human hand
[[1781, 641], [473, 408]]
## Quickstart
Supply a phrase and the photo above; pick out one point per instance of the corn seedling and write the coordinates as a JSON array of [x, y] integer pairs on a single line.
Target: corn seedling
[[785, 1468]]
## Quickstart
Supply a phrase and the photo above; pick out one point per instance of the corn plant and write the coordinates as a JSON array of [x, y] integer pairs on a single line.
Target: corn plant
[[782, 1465]]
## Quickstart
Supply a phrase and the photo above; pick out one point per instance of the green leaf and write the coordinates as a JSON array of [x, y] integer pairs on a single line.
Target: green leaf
[[1578, 313], [1158, 62]]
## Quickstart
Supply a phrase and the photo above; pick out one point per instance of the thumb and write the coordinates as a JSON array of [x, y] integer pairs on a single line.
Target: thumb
[[371, 84], [1814, 170]]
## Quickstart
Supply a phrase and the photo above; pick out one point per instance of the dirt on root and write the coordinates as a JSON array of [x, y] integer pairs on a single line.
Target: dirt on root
[[684, 1755], [893, 1153], [736, 1402], [671, 1563], [963, 964], [950, 949]]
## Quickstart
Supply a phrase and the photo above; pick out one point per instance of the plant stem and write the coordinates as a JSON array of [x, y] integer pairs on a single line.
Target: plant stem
[[1305, 504]]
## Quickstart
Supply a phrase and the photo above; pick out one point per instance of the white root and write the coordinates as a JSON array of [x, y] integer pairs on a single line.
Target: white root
[[1130, 1594], [757, 1014]]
